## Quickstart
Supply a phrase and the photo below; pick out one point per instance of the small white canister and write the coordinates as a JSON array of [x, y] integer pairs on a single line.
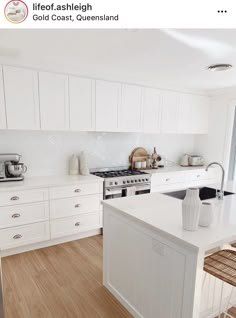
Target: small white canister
[[206, 214], [191, 209]]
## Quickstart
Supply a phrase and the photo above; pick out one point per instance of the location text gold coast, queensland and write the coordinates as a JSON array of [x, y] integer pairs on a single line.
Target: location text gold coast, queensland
[[73, 18]]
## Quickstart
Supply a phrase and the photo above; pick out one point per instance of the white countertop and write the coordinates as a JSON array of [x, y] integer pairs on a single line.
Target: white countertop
[[175, 169], [164, 214], [47, 181]]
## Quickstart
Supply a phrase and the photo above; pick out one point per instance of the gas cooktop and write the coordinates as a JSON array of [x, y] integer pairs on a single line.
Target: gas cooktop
[[117, 173]]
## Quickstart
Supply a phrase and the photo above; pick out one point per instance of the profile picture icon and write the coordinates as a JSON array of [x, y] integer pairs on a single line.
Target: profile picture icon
[[16, 11]]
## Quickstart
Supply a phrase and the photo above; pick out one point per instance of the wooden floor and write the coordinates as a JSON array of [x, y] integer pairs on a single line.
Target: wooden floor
[[63, 281]]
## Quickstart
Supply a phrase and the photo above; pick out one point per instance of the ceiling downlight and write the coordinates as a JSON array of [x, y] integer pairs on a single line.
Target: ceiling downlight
[[219, 67]]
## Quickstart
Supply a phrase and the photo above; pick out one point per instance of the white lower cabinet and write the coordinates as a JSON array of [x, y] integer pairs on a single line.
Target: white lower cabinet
[[75, 224], [23, 214], [74, 206], [23, 196], [174, 180], [43, 214], [74, 190], [24, 235]]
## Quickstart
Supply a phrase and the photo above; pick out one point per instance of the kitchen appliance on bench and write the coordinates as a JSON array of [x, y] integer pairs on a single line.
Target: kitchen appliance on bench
[[124, 182], [11, 169]]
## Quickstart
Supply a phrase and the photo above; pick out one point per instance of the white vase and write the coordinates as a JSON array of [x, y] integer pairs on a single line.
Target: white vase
[[206, 214], [74, 165], [84, 170], [191, 209]]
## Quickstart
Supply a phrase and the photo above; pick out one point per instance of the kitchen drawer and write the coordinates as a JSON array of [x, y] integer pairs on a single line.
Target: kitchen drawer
[[24, 235], [74, 191], [75, 224], [23, 214], [74, 206], [197, 175], [24, 196], [161, 179]]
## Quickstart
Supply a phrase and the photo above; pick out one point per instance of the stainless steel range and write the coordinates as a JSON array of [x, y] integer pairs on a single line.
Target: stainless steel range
[[124, 182]]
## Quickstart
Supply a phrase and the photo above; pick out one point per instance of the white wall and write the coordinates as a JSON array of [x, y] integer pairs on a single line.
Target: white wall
[[47, 153], [216, 145]]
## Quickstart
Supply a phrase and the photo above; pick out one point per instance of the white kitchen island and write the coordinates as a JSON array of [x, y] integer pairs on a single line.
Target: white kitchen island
[[153, 266]]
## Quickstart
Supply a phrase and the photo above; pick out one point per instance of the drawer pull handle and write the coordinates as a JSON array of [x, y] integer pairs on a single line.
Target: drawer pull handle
[[77, 190], [17, 236], [167, 179], [77, 205], [77, 224], [16, 215], [14, 198]]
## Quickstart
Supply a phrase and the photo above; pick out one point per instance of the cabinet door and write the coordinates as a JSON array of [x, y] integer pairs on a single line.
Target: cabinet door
[[193, 114], [21, 97], [170, 112], [3, 122], [131, 108], [82, 104], [187, 114], [202, 105], [107, 105], [54, 106], [151, 110]]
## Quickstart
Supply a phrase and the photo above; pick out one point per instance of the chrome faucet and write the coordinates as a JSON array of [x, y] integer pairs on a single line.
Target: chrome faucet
[[219, 194]]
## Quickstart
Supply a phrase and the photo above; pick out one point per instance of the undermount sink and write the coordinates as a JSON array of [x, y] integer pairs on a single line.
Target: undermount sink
[[205, 193]]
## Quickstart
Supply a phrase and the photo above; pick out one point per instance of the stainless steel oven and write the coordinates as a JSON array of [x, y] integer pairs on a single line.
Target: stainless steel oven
[[124, 182], [118, 192]]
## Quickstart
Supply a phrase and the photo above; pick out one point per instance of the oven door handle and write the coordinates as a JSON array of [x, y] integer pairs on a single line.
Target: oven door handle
[[113, 191], [142, 187]]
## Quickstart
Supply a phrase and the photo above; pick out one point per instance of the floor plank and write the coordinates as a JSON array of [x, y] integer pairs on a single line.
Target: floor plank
[[62, 281]]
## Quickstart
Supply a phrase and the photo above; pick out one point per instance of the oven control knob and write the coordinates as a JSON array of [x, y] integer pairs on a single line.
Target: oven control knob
[[124, 182], [139, 180], [116, 183], [127, 181], [136, 180], [146, 179], [132, 181], [143, 179]]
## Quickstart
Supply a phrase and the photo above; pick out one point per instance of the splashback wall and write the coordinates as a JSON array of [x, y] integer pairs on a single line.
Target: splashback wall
[[47, 153]]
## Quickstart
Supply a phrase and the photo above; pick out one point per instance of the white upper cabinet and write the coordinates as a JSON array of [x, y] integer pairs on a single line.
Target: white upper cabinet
[[130, 115], [107, 105], [170, 112], [54, 101], [82, 103], [201, 115], [3, 123], [21, 98], [194, 111], [151, 110]]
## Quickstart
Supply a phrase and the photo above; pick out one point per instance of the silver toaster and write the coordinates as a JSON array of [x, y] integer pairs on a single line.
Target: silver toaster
[[196, 161]]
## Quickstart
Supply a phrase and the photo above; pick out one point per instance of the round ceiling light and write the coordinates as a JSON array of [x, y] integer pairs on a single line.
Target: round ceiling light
[[219, 67]]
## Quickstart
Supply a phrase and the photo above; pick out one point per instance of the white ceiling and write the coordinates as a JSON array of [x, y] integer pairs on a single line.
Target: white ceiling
[[161, 58]]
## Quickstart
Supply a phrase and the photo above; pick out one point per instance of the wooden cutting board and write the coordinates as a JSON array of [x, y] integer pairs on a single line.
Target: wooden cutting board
[[138, 154]]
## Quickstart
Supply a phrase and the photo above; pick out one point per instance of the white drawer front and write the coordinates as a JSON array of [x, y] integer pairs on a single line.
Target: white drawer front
[[75, 190], [74, 206], [75, 224], [23, 214], [25, 196], [167, 178], [197, 175], [24, 235]]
